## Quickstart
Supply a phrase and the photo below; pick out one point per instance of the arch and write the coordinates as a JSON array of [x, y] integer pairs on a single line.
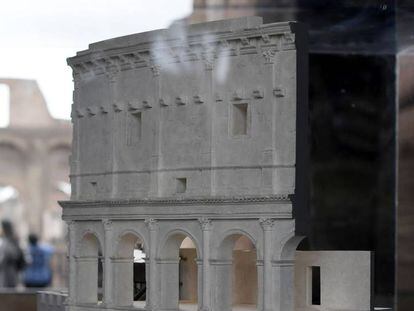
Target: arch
[[59, 144], [170, 246], [128, 284], [126, 241], [223, 249], [236, 271], [15, 143], [14, 156], [172, 262], [89, 244], [290, 246], [284, 271], [87, 268], [14, 163]]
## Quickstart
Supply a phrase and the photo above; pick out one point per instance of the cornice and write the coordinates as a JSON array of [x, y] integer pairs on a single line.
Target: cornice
[[284, 198], [175, 48]]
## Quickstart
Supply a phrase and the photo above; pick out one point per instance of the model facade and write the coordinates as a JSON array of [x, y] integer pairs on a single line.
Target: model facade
[[183, 133]]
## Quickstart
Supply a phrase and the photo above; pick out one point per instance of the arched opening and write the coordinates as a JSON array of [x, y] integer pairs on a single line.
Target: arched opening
[[188, 273], [179, 273], [89, 270], [129, 268], [14, 191], [237, 277]]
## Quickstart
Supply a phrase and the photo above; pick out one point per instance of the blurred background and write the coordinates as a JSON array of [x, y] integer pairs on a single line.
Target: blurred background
[[359, 180]]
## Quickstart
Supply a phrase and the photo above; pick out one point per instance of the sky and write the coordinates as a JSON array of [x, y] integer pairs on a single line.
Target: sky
[[36, 37]]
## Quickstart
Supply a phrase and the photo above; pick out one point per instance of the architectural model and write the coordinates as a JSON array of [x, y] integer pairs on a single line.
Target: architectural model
[[185, 136]]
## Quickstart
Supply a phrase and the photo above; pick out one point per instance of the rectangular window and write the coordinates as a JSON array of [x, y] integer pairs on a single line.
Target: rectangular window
[[134, 124], [94, 187], [316, 285], [239, 119], [181, 186]]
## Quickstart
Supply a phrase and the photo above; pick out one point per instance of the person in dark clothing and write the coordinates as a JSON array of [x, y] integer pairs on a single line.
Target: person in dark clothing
[[11, 256], [38, 272]]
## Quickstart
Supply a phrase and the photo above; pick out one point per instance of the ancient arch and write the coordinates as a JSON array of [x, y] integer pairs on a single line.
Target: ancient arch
[[170, 245], [231, 270], [225, 245], [26, 162], [14, 157], [289, 247], [123, 263], [17, 144], [14, 176], [169, 263], [89, 249]]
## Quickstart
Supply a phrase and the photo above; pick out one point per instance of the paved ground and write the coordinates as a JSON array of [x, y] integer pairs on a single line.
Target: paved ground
[[193, 306]]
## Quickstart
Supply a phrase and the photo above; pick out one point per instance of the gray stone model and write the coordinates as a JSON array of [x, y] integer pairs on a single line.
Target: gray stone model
[[183, 133]]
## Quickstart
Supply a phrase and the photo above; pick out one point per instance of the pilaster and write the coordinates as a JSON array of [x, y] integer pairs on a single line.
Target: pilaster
[[259, 265], [108, 265], [152, 286], [156, 160], [72, 299], [206, 284], [267, 293], [112, 73]]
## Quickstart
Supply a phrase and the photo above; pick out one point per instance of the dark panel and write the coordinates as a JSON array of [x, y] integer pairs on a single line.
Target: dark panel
[[352, 113]]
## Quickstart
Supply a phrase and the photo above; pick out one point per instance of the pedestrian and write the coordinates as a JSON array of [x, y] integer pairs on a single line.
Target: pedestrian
[[11, 256], [38, 272]]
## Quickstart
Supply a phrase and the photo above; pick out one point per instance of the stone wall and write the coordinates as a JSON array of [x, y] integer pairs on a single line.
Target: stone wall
[[215, 115]]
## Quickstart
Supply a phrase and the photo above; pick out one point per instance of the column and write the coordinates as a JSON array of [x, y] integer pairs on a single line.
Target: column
[[147, 277], [199, 263], [108, 265], [72, 299], [259, 265], [267, 225], [205, 301], [152, 281]]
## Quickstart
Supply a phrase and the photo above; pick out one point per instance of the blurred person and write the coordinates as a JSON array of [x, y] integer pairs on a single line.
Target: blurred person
[[11, 256], [38, 272]]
